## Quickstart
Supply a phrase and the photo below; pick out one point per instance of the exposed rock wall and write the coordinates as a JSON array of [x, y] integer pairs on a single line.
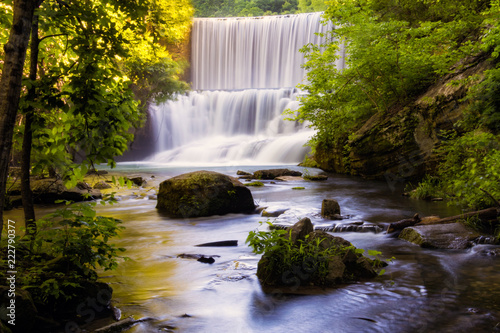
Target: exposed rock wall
[[399, 145]]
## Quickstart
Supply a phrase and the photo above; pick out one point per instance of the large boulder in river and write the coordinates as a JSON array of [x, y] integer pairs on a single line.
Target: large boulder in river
[[203, 193], [440, 236]]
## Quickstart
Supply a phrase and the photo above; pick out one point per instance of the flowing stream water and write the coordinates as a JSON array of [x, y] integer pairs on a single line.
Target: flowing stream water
[[423, 290]]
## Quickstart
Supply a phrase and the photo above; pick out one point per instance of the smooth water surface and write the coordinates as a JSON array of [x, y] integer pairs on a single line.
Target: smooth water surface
[[422, 290]]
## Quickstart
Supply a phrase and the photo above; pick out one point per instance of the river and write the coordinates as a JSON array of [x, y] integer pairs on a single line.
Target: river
[[422, 290]]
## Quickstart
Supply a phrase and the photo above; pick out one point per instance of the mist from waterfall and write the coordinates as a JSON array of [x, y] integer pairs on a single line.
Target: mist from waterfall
[[243, 71]]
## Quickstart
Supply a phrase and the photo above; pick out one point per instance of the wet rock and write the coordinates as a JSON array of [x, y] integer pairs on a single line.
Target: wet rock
[[23, 311], [495, 252], [255, 184], [199, 257], [243, 173], [101, 185], [260, 209], [273, 213], [336, 270], [206, 260], [203, 193], [343, 264], [440, 236], [137, 181], [274, 173], [330, 209], [316, 177], [300, 229], [487, 240], [47, 191]]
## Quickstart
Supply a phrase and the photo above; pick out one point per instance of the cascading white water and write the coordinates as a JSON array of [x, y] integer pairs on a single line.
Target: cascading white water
[[223, 124], [221, 127]]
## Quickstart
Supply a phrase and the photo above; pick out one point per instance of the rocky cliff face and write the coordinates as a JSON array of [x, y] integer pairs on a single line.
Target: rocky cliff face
[[399, 145]]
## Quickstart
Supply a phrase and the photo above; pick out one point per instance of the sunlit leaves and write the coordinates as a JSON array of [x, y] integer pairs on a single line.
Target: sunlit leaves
[[93, 54]]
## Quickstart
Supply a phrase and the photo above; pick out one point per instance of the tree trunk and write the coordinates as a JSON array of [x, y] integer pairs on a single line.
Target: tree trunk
[[10, 85], [26, 193]]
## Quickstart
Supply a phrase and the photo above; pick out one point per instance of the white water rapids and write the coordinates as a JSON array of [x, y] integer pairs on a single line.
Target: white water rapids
[[243, 71]]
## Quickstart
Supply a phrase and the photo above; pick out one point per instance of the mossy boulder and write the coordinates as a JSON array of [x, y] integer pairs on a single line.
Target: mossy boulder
[[309, 258], [203, 193]]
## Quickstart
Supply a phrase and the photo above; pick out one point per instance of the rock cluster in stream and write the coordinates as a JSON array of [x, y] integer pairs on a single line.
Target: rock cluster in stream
[[344, 264]]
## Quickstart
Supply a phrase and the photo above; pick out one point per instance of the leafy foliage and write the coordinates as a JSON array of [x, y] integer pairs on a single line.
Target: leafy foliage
[[303, 261], [100, 63], [469, 163], [391, 53], [287, 257], [65, 251], [224, 8]]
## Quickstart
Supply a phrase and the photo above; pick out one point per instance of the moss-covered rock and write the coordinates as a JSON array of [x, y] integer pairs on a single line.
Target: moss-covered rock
[[308, 258], [203, 193]]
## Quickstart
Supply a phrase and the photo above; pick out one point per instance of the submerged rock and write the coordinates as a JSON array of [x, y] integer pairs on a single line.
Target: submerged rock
[[440, 236], [289, 178], [203, 193], [137, 181]]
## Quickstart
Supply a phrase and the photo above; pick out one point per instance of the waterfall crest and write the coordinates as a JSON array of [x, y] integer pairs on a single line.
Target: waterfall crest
[[262, 52]]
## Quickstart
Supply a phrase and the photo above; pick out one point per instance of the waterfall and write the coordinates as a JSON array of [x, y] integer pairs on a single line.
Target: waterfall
[[243, 74], [263, 52]]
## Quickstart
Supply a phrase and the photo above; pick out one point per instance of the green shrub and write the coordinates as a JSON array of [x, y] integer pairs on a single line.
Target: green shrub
[[67, 248], [468, 164], [304, 261], [286, 256]]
